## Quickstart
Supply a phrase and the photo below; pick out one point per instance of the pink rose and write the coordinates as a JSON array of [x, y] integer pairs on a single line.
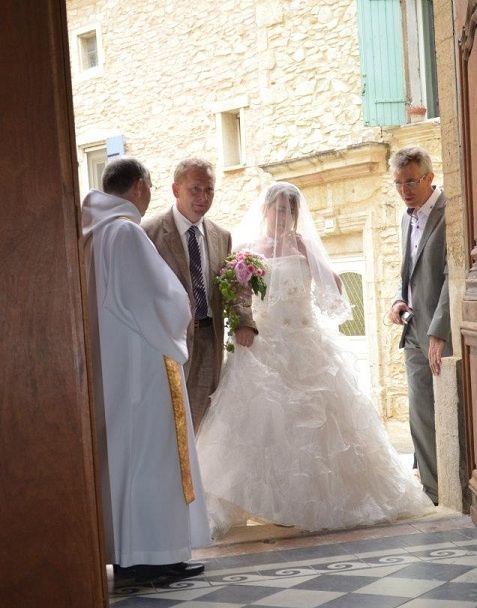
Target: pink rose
[[242, 273]]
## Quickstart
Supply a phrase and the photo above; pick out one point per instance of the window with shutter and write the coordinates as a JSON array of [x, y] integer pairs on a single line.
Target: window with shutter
[[398, 61], [382, 65], [96, 159], [93, 156]]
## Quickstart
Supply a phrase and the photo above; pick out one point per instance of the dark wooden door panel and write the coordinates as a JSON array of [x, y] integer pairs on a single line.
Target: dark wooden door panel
[[466, 22], [50, 543]]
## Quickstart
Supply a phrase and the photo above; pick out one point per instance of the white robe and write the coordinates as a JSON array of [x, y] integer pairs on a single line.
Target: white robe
[[139, 313]]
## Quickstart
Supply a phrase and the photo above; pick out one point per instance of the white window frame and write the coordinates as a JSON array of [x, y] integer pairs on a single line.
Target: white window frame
[[95, 157], [76, 52], [363, 344], [83, 52], [223, 111], [84, 162]]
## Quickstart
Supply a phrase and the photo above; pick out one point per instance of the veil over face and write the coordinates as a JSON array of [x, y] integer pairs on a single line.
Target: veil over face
[[279, 224]]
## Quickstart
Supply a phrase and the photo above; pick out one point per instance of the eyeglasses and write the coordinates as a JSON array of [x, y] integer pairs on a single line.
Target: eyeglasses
[[411, 184]]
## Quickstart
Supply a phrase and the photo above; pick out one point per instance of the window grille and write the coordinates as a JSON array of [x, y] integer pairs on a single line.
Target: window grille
[[353, 283]]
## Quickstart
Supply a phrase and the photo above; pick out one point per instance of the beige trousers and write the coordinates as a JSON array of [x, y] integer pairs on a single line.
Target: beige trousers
[[200, 380]]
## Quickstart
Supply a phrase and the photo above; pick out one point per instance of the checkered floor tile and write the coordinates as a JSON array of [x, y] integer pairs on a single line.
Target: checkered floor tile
[[421, 570]]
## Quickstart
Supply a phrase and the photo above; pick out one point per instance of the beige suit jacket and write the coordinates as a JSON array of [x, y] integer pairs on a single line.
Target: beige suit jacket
[[163, 232]]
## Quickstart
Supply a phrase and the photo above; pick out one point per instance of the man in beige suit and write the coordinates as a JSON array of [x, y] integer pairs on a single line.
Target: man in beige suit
[[195, 248]]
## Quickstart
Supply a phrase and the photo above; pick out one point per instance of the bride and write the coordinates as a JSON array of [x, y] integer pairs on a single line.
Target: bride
[[289, 437]]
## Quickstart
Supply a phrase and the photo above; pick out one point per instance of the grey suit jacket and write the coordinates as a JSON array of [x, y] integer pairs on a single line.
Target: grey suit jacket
[[429, 280], [163, 232]]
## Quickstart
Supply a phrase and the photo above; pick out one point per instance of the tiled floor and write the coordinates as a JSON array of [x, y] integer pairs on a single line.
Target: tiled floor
[[426, 563]]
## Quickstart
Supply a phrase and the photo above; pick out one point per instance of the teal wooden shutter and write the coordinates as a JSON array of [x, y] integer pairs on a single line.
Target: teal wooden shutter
[[114, 146], [382, 67]]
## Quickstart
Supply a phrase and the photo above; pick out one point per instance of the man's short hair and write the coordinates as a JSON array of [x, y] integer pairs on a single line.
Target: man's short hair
[[184, 166], [121, 173], [411, 154]]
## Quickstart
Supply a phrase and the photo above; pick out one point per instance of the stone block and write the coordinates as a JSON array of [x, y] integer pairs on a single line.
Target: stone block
[[269, 13], [450, 435]]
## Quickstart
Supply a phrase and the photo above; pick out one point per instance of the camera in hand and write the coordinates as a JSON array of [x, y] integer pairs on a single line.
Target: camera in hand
[[406, 316]]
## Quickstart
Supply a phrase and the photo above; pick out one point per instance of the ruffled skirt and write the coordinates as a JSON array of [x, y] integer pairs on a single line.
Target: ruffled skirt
[[290, 438]]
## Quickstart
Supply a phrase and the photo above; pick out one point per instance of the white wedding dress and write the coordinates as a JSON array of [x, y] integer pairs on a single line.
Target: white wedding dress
[[289, 437]]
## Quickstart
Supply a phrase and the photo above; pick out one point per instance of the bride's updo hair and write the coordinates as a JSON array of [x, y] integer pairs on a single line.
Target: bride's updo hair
[[286, 189]]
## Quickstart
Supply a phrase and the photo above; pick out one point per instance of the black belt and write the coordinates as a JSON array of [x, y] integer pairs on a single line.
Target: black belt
[[207, 322]]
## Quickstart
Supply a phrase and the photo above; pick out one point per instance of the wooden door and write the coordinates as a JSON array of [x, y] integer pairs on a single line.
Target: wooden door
[[50, 540], [466, 23]]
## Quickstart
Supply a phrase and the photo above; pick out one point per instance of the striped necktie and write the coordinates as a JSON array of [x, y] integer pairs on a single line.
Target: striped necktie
[[196, 275]]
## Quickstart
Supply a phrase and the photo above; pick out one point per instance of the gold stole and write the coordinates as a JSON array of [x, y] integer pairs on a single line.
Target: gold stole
[[180, 421]]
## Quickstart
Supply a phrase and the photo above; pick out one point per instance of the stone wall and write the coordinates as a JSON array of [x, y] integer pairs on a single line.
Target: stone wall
[[166, 68], [294, 69]]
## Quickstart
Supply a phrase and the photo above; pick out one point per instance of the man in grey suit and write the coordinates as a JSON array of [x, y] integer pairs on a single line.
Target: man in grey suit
[[422, 301], [195, 249]]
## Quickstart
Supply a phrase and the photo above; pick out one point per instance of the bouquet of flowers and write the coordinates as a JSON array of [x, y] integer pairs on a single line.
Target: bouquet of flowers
[[241, 274]]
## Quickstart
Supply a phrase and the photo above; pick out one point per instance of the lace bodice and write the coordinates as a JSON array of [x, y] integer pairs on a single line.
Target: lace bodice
[[288, 300]]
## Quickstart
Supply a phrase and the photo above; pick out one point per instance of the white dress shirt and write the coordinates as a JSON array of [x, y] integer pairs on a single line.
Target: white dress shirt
[[183, 225]]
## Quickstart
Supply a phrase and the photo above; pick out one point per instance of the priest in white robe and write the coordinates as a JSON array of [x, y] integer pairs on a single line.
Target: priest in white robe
[[153, 503]]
